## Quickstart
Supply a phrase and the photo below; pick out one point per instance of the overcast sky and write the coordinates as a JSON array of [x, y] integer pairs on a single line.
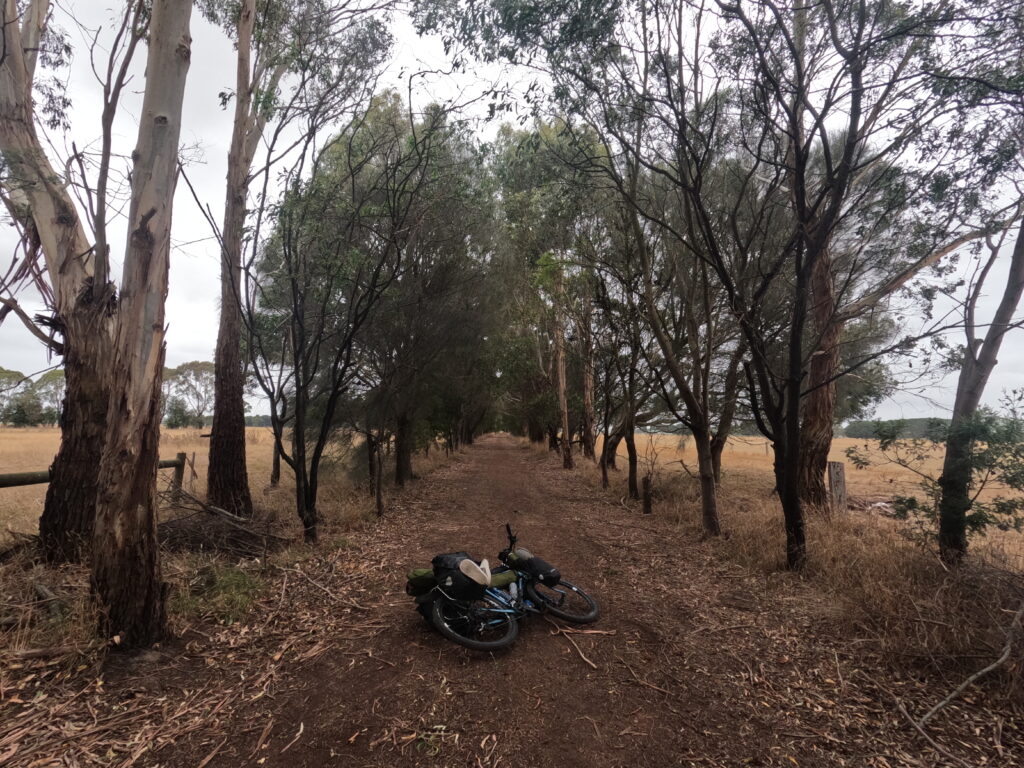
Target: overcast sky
[[192, 303]]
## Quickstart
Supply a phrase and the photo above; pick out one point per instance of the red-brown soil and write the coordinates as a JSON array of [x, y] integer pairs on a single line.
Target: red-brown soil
[[698, 663]]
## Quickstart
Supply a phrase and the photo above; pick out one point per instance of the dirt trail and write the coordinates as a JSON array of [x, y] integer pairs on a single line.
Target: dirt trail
[[697, 665]]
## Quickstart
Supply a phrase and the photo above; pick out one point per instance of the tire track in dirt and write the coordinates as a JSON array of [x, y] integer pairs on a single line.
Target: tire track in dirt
[[698, 667]]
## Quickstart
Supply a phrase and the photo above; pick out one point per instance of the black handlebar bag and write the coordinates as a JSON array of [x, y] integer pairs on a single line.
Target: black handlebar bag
[[526, 562]]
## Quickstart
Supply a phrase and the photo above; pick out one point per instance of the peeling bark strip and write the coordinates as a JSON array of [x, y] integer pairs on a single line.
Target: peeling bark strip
[[125, 560]]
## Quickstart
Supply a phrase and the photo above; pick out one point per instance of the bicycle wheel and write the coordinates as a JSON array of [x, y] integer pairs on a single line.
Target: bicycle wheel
[[481, 624], [566, 601]]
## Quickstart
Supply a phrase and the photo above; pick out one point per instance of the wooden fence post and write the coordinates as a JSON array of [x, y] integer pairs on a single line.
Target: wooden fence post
[[837, 485], [179, 474]]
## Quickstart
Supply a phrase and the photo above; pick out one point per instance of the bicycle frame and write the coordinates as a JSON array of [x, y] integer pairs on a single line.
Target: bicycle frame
[[517, 607]]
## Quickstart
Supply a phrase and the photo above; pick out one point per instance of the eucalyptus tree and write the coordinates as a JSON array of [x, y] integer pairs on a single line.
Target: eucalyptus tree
[[440, 309], [544, 202], [343, 232], [293, 58], [979, 70], [104, 478], [68, 267], [783, 130], [193, 384]]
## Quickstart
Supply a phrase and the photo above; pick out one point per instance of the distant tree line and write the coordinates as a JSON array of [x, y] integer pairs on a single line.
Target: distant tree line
[[906, 428], [25, 402]]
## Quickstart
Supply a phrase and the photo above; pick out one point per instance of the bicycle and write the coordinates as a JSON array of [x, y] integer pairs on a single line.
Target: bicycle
[[485, 616]]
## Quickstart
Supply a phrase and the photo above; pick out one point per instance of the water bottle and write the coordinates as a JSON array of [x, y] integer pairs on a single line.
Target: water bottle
[[513, 589]]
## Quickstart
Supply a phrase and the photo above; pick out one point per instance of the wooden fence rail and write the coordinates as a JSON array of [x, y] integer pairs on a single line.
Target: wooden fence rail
[[36, 478]]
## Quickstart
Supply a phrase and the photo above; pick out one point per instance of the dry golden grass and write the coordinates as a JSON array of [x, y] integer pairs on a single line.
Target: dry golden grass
[[750, 459], [341, 502], [884, 587], [30, 449], [203, 584], [747, 467]]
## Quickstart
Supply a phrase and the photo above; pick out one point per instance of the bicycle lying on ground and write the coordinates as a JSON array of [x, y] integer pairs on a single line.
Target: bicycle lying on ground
[[480, 609]]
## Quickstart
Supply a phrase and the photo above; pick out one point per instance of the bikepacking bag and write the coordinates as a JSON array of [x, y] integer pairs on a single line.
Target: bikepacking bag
[[452, 581], [419, 581], [526, 562]]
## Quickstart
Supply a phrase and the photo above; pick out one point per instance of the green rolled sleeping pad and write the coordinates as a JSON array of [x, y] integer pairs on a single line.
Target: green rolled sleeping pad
[[419, 581], [503, 579]]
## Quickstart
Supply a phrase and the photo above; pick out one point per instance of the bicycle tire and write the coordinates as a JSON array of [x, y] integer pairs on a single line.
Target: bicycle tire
[[591, 615], [448, 626]]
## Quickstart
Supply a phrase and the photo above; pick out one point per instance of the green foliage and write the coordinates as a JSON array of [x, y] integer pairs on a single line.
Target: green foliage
[[178, 415], [996, 462], [24, 409], [189, 391]]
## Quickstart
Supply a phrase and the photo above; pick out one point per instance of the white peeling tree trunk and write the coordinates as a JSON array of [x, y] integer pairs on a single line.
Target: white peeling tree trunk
[[125, 561], [82, 309]]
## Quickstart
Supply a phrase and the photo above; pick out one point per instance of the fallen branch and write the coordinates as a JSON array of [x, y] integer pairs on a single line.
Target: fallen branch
[[941, 750], [644, 682], [567, 636], [302, 727], [238, 522], [1011, 636], [55, 605]]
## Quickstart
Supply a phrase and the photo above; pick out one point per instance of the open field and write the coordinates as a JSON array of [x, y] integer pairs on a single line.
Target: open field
[[25, 450], [747, 490], [747, 469], [749, 459]]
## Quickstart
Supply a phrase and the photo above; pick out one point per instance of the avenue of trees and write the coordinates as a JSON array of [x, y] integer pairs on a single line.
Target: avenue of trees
[[719, 217]]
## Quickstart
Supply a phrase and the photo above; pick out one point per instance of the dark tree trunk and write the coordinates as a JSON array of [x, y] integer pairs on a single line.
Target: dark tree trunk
[[718, 444], [228, 480], [552, 439], [378, 482], [629, 437], [955, 482], [275, 466], [979, 360], [66, 525], [788, 432], [610, 450], [648, 499], [305, 499], [587, 428], [403, 451], [819, 404], [708, 490], [561, 385], [371, 459]]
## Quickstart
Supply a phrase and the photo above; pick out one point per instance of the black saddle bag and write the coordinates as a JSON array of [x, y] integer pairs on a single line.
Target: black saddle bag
[[454, 582]]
